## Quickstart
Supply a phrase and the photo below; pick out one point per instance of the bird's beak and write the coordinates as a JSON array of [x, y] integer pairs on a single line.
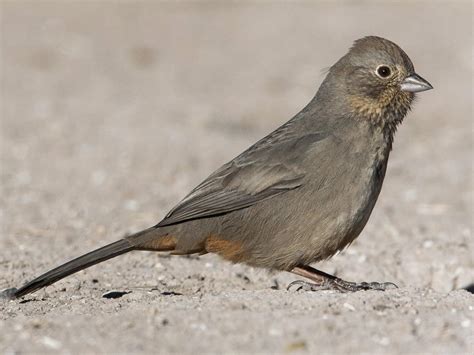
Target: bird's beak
[[415, 83]]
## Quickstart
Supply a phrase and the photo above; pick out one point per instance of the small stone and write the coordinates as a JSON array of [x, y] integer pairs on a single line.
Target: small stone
[[427, 244], [275, 332], [349, 306], [51, 343], [296, 346], [115, 294]]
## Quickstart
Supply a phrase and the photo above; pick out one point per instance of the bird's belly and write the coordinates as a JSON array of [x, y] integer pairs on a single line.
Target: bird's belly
[[345, 213], [307, 224]]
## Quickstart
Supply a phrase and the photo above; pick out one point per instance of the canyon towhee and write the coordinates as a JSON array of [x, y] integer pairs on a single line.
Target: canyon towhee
[[300, 194]]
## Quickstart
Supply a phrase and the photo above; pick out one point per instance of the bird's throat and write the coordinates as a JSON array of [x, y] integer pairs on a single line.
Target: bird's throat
[[387, 111]]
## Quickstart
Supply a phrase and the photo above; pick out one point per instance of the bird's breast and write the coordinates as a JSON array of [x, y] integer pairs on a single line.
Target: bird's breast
[[343, 204]]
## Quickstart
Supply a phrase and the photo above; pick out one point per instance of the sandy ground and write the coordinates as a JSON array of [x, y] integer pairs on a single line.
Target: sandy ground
[[111, 112]]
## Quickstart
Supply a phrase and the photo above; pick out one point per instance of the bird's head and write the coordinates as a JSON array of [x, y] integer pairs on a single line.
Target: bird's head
[[378, 80]]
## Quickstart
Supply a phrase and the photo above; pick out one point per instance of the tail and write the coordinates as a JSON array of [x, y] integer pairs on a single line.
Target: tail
[[94, 257]]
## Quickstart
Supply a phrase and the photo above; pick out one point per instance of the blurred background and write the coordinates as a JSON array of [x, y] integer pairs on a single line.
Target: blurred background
[[112, 111]]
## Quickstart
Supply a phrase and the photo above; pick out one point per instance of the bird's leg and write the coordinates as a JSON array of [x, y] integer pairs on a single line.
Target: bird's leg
[[323, 281]]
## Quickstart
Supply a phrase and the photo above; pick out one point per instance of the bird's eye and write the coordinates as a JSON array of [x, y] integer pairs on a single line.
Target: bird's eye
[[383, 71]]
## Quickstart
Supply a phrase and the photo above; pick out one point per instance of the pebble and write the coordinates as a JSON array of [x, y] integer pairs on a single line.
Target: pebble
[[349, 306], [51, 343]]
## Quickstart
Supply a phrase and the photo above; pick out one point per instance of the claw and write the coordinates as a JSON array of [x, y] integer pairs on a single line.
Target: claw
[[379, 286], [309, 286], [299, 283]]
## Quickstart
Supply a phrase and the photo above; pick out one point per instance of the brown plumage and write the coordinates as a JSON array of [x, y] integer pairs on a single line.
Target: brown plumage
[[300, 194]]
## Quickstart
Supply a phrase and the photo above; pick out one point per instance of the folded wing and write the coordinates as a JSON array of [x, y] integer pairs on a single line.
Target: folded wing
[[265, 170]]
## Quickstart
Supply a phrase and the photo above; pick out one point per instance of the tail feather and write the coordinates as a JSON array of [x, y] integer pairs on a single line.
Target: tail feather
[[94, 257]]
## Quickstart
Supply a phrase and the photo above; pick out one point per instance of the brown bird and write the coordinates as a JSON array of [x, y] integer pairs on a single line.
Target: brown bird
[[300, 194]]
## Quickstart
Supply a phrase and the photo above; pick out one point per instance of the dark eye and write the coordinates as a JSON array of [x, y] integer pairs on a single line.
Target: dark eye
[[383, 71]]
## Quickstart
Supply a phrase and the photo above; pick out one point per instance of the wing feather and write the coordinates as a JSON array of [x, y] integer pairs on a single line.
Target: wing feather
[[265, 170]]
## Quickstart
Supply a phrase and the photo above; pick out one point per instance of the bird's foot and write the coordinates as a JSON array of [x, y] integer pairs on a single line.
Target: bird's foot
[[340, 285], [323, 281]]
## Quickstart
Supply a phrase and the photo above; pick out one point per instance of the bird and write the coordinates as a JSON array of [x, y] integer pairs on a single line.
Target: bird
[[299, 195]]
